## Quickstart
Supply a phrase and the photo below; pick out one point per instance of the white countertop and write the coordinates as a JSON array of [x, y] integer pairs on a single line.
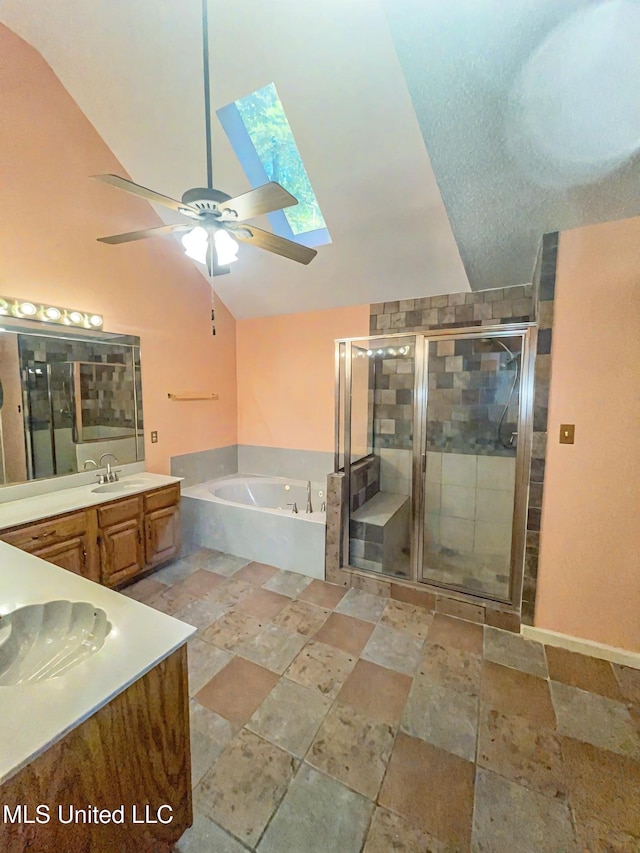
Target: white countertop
[[33, 717], [24, 510]]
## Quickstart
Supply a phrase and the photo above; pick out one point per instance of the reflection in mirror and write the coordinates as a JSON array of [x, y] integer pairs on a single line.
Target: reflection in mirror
[[67, 398]]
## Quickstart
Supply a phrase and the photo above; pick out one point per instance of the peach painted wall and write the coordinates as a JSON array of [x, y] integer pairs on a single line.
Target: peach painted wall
[[589, 570], [52, 214], [286, 376]]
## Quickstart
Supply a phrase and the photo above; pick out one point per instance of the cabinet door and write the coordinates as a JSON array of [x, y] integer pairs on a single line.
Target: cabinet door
[[121, 553], [70, 554], [162, 534]]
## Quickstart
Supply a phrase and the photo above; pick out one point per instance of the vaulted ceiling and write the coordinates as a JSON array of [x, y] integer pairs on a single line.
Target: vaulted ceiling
[[442, 137]]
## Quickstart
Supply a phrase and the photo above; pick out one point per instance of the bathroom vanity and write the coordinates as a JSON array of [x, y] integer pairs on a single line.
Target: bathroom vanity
[[110, 533], [110, 734]]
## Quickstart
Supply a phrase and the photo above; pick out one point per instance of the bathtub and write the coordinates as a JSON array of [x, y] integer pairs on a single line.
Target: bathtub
[[248, 516]]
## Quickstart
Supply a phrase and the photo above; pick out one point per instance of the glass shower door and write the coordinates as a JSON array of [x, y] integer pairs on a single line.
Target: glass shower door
[[471, 424]]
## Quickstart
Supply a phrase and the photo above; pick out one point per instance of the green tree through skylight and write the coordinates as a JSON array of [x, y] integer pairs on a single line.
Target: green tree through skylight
[[264, 118]]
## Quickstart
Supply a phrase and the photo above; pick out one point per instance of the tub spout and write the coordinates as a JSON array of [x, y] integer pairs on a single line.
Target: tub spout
[[309, 507]]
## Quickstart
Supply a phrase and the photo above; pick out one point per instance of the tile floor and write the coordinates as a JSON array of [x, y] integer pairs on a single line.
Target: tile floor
[[335, 721]]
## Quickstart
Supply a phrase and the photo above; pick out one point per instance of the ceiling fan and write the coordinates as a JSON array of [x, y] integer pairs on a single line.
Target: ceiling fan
[[217, 221]]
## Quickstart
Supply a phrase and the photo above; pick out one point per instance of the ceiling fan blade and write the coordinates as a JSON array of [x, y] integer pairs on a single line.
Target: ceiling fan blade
[[264, 199], [273, 243], [149, 195], [140, 235]]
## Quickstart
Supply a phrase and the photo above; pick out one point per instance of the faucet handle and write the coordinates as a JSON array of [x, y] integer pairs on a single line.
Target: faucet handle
[[114, 475], [295, 507]]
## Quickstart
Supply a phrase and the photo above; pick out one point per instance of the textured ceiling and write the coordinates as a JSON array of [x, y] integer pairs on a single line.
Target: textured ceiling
[[442, 137], [530, 111]]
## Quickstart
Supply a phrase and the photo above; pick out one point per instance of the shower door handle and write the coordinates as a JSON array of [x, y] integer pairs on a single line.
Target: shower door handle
[[424, 463]]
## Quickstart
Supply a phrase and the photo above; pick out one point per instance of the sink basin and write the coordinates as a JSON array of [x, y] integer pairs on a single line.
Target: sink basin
[[121, 486], [42, 641]]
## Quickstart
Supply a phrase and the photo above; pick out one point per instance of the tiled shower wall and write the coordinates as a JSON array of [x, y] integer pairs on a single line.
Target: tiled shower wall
[[467, 381]]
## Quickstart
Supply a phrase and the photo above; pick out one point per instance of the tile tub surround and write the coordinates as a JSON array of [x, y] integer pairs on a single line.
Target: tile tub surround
[[500, 754], [205, 464], [285, 462], [139, 639]]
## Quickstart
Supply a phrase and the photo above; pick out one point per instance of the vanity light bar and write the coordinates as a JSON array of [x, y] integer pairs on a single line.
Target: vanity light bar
[[24, 309]]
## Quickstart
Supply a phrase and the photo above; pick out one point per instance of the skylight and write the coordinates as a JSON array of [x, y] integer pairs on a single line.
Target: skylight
[[262, 138]]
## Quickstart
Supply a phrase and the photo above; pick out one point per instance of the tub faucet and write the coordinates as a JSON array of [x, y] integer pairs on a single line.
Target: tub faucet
[[309, 507], [295, 508]]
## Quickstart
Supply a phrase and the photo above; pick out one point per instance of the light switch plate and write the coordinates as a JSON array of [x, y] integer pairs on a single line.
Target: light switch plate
[[154, 437], [567, 433]]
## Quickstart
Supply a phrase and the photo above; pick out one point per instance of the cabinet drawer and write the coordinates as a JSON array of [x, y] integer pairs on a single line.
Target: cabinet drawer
[[33, 537], [113, 513], [161, 498]]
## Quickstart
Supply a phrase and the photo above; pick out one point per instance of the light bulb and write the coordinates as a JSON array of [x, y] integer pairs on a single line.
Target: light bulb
[[28, 308], [76, 317], [95, 320], [196, 243], [226, 247], [53, 313]]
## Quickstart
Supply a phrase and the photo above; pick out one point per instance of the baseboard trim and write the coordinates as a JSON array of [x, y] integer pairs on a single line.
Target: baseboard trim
[[585, 647]]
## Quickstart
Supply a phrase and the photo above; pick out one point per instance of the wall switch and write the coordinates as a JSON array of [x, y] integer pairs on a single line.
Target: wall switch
[[567, 433], [154, 437]]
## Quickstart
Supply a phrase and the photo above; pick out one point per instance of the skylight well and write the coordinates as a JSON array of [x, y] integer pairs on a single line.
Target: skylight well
[[261, 135]]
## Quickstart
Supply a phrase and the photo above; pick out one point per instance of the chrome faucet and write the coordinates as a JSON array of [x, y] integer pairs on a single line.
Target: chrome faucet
[[110, 476], [89, 462], [309, 507], [295, 508]]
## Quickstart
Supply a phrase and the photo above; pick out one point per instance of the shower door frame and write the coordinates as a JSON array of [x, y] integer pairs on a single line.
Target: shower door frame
[[343, 353], [528, 333]]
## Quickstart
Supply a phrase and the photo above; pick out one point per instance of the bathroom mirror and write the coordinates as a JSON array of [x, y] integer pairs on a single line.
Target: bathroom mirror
[[68, 395]]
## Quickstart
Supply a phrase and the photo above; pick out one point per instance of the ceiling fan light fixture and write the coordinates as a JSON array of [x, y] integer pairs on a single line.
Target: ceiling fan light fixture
[[226, 247], [196, 243]]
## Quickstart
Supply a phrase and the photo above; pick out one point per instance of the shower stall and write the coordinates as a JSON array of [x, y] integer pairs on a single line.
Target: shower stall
[[433, 433]]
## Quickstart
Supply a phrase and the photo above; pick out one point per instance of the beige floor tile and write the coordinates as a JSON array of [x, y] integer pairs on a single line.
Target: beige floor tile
[[451, 667], [210, 734], [508, 816], [273, 647], [449, 631], [318, 814], [262, 603], [509, 649], [302, 617], [352, 749], [321, 667], [407, 617], [256, 573], [391, 832], [440, 715], [394, 649], [595, 719], [231, 630], [204, 661], [288, 583], [290, 716], [361, 605], [522, 752], [245, 786]]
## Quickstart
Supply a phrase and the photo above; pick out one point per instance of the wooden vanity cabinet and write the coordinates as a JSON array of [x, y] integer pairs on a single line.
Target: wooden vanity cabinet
[[162, 525], [120, 540], [111, 543], [68, 541]]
